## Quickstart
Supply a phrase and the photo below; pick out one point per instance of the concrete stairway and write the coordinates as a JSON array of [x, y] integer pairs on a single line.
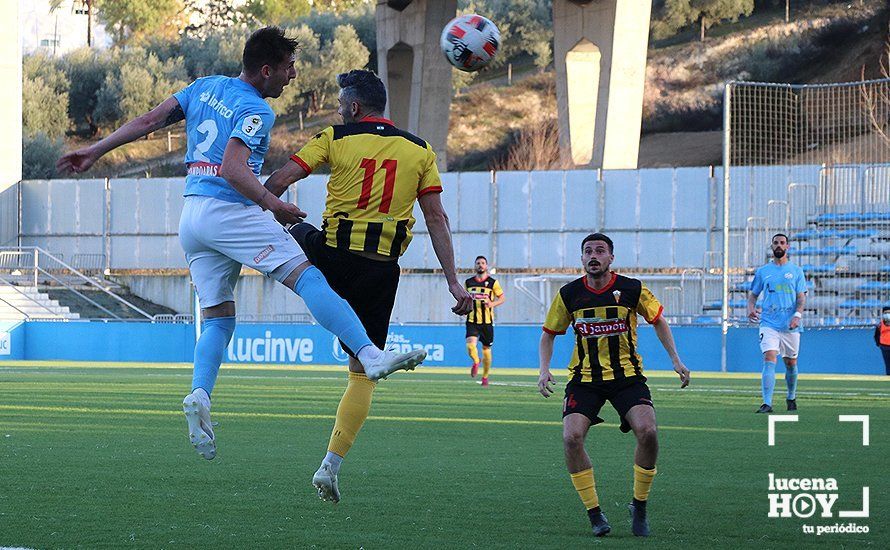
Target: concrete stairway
[[31, 302]]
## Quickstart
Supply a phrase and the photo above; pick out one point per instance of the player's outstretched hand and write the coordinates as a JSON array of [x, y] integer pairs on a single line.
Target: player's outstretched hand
[[464, 300], [286, 213], [545, 383], [753, 316], [681, 369], [77, 161]]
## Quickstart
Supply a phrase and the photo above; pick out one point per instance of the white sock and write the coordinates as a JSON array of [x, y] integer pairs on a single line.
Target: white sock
[[333, 460], [368, 355]]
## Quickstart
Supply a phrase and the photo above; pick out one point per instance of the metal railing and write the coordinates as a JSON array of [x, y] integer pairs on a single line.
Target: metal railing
[[32, 264]]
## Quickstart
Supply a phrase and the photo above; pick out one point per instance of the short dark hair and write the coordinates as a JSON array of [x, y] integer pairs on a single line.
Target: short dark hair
[[481, 257], [599, 237], [787, 240], [364, 87], [267, 46]]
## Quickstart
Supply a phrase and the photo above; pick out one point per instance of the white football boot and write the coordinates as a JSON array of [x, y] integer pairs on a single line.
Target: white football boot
[[196, 407], [325, 482], [389, 362]]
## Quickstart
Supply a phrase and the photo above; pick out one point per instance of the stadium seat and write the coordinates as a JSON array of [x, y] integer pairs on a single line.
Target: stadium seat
[[875, 286], [818, 269], [861, 304], [824, 250]]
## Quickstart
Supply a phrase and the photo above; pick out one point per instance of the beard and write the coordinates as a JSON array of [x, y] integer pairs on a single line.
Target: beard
[[596, 270], [480, 271], [778, 253]]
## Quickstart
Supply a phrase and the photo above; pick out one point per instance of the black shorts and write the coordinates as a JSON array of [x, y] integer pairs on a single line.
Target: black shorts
[[485, 333], [369, 286], [588, 398]]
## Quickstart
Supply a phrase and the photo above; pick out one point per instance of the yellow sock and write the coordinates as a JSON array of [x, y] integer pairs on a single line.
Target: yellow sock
[[643, 482], [584, 484], [486, 362], [352, 412], [473, 353]]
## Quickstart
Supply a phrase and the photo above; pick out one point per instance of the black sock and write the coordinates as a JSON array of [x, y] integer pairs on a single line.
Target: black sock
[[639, 504], [593, 511]]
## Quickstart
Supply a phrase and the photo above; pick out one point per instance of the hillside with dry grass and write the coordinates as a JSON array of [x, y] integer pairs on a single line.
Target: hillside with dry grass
[[496, 126], [682, 105]]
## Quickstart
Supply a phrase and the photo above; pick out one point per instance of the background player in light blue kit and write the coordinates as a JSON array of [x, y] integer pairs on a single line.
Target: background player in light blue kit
[[784, 287], [224, 224]]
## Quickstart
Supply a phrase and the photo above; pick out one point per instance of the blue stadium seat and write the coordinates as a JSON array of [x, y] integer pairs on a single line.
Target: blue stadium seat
[[824, 250], [854, 233], [818, 269], [828, 217], [861, 304], [875, 216], [885, 269], [875, 286]]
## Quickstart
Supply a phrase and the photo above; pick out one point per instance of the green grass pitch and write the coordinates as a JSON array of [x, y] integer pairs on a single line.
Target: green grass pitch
[[97, 456]]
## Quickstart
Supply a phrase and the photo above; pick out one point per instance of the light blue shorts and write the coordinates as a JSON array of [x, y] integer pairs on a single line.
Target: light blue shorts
[[218, 237]]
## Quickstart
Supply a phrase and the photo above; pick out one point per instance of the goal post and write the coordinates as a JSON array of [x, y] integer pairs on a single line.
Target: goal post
[[813, 162]]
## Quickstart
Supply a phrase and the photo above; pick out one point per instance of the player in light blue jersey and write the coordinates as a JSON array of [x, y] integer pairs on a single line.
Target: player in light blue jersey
[[224, 223], [784, 290]]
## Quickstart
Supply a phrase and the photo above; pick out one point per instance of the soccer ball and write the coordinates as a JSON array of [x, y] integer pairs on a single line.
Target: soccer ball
[[470, 42]]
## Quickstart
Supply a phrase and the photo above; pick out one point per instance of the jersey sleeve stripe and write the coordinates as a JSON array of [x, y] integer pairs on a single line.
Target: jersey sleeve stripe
[[657, 316], [434, 189], [554, 332], [302, 163]]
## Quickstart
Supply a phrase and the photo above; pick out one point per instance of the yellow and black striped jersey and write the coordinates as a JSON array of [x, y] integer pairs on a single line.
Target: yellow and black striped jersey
[[605, 326], [377, 173], [486, 289]]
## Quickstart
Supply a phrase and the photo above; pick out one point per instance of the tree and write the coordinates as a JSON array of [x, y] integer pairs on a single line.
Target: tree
[[311, 76], [277, 12], [138, 19], [39, 156], [210, 16], [86, 70], [706, 13], [344, 53], [138, 82], [44, 97]]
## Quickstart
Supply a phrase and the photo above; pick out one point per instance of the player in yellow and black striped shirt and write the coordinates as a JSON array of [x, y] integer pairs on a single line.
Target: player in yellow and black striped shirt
[[378, 172], [487, 295], [602, 309]]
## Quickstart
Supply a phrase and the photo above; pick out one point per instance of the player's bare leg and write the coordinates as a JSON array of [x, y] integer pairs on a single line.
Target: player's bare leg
[[642, 421], [196, 404], [574, 431]]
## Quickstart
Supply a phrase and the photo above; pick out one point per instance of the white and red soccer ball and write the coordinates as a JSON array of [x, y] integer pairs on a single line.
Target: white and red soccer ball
[[470, 42]]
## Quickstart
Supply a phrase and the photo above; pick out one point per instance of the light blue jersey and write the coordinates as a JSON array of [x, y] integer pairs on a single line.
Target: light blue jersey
[[218, 108], [778, 287]]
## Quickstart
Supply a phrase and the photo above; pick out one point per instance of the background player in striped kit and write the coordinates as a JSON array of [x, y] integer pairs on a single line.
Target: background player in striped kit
[[487, 294]]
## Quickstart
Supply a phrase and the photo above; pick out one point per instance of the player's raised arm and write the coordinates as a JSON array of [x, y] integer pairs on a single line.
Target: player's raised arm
[[237, 172], [440, 234], [167, 113]]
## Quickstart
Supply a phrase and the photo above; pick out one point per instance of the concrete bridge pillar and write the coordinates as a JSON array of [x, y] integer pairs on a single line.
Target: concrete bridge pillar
[[599, 49], [411, 64]]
